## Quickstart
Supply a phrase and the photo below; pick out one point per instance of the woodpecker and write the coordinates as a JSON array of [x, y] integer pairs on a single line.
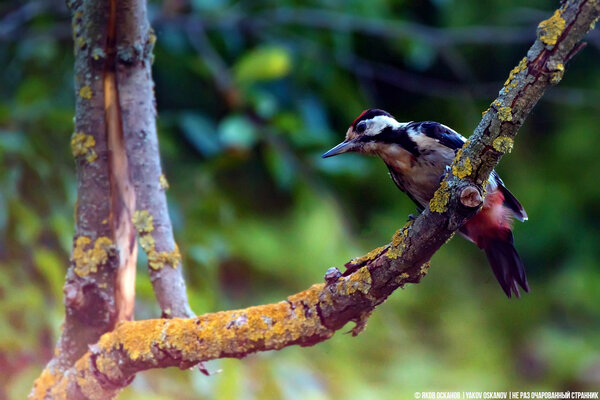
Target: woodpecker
[[417, 155]]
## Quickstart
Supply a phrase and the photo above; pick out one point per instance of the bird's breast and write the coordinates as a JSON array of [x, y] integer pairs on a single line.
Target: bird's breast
[[419, 176]]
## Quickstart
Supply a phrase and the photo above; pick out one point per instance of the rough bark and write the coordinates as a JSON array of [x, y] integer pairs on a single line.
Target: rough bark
[[118, 171], [133, 68], [313, 315]]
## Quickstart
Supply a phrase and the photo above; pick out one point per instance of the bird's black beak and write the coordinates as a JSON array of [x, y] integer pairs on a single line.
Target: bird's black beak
[[343, 147]]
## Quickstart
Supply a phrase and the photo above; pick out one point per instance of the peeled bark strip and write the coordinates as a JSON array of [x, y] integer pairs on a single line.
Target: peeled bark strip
[[121, 187], [312, 316]]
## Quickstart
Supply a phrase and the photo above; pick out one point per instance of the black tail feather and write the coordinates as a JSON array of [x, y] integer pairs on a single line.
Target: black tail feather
[[513, 204], [507, 265]]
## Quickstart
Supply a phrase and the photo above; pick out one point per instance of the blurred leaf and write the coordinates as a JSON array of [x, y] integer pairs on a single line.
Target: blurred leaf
[[349, 164], [201, 132], [62, 225], [19, 386], [52, 268], [28, 223], [420, 56], [229, 380], [173, 39], [209, 5], [263, 63], [13, 142], [33, 90], [265, 103], [281, 167], [237, 131], [39, 49]]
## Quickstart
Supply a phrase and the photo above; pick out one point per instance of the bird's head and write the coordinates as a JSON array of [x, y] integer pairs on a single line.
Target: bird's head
[[371, 131]]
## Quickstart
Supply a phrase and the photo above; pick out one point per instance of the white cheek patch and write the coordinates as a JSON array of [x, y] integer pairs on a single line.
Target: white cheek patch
[[380, 122]]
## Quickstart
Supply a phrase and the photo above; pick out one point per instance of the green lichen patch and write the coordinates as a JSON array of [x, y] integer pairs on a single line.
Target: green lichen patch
[[439, 201], [83, 145], [503, 144], [550, 30]]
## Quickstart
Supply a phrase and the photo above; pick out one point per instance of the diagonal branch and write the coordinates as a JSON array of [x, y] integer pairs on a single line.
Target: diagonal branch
[[313, 315]]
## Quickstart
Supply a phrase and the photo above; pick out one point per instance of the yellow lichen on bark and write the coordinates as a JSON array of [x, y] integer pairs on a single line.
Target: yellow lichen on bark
[[41, 385], [147, 243], [439, 201], [143, 221], [511, 82], [135, 339], [109, 367], [401, 279], [87, 380], [162, 180], [503, 144], [159, 259], [144, 224], [425, 267], [462, 168], [551, 29], [80, 42], [557, 73], [227, 333], [398, 242], [85, 92], [359, 281], [86, 261], [505, 114], [371, 255], [83, 145]]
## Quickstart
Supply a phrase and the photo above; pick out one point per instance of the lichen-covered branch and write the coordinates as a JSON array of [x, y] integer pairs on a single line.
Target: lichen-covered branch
[[133, 66], [116, 152], [90, 306], [313, 315]]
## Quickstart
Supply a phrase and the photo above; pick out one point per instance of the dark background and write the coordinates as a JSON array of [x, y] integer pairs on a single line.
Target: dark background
[[249, 94]]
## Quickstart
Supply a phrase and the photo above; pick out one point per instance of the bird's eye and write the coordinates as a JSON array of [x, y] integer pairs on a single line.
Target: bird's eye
[[360, 128]]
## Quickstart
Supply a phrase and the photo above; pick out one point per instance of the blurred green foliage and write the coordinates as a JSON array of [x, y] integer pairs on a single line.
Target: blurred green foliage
[[249, 95]]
